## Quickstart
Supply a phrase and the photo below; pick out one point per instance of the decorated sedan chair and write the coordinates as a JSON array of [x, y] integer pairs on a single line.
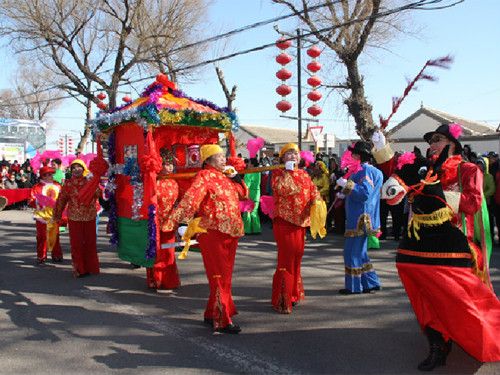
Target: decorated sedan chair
[[162, 120]]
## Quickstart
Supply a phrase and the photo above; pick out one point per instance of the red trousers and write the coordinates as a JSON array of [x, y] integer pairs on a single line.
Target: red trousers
[[164, 273], [287, 280], [218, 251], [82, 238], [41, 243]]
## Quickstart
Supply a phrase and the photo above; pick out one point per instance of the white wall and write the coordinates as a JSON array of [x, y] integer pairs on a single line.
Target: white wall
[[417, 127]]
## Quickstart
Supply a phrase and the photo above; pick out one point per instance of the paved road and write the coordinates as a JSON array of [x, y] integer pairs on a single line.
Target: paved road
[[51, 323]]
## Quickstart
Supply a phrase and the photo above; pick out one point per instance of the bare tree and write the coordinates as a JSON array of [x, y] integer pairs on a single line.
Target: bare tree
[[348, 27], [99, 44], [229, 94], [31, 96]]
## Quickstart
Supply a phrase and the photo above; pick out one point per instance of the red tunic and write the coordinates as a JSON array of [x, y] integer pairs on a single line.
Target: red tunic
[[215, 198], [167, 191], [77, 211], [293, 193]]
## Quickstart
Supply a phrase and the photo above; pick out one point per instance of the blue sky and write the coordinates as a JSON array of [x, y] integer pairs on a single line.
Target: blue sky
[[471, 88]]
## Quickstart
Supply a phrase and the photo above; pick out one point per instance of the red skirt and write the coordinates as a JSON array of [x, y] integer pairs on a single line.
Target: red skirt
[[455, 302]]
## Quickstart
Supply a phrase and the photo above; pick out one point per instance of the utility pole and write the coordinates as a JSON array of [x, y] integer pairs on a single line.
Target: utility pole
[[299, 89]]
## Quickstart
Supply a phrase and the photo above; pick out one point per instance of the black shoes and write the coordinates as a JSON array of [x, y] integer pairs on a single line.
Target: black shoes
[[347, 292], [232, 328], [437, 357], [369, 290]]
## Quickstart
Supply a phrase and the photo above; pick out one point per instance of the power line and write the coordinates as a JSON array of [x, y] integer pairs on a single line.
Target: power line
[[203, 41], [417, 5]]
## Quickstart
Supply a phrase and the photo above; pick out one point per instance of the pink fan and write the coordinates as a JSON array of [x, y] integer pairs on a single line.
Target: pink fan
[[36, 161], [347, 161], [307, 156], [67, 160], [247, 205], [267, 205], [254, 145], [44, 201], [51, 154], [87, 158]]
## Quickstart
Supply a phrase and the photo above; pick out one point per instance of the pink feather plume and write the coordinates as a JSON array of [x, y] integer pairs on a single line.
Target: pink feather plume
[[455, 130], [254, 145], [405, 158]]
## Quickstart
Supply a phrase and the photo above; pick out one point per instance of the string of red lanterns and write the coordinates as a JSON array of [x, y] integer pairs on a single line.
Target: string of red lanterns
[[283, 74], [103, 106], [314, 81]]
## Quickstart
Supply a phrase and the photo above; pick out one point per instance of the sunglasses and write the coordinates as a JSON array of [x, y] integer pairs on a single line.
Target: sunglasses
[[437, 138]]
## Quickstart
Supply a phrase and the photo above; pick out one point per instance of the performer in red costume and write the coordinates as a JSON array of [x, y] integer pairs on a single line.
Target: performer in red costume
[[214, 197], [43, 198], [80, 194], [164, 273], [434, 262], [294, 193], [462, 184]]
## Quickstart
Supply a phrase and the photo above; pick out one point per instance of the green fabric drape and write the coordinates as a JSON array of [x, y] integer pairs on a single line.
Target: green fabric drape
[[133, 235], [251, 220]]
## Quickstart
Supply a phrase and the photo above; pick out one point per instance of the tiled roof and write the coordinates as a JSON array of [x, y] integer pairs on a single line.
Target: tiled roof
[[470, 128], [271, 135]]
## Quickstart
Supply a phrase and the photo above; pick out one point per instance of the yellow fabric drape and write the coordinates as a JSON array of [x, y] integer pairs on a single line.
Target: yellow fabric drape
[[192, 229], [318, 219]]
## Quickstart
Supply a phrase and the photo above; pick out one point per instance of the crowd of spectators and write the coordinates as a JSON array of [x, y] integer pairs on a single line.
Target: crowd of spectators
[[325, 171]]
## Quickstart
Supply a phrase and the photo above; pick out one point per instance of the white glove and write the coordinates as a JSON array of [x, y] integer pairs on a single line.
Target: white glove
[[230, 171], [340, 196], [290, 165], [181, 230], [341, 182], [378, 139]]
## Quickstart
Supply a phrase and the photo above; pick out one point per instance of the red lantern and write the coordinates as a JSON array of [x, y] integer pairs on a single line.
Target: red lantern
[[283, 44], [314, 110], [101, 96], [314, 96], [314, 81], [314, 52], [314, 66], [284, 105], [283, 90], [127, 99], [283, 58], [283, 74], [101, 106]]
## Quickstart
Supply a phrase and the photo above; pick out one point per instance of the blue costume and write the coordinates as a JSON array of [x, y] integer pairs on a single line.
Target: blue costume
[[362, 219]]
